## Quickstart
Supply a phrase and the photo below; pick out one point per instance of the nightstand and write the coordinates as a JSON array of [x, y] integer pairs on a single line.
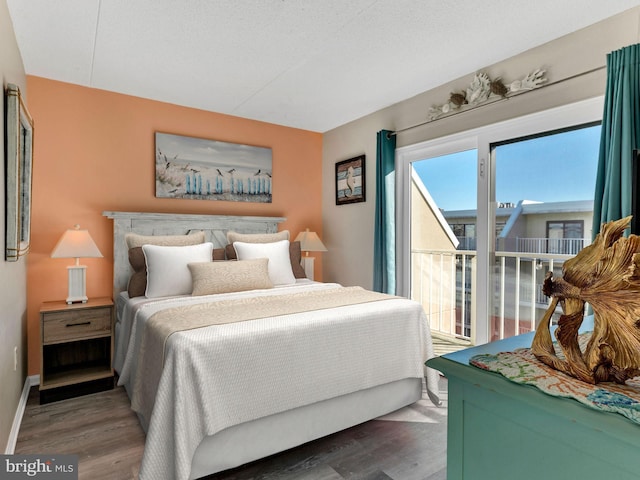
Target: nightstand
[[76, 348]]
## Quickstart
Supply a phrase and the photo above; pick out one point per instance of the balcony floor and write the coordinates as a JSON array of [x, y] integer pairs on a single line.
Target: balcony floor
[[443, 344]]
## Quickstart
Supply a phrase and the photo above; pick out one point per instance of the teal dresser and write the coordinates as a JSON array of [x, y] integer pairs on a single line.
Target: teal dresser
[[500, 430]]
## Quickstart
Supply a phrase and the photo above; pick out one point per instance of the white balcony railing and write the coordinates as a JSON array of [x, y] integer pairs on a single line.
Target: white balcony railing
[[443, 281], [562, 246]]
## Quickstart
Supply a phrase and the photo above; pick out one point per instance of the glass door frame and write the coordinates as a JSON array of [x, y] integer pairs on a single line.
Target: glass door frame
[[481, 139]]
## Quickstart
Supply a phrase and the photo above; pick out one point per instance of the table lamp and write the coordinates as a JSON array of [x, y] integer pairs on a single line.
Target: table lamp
[[76, 243], [309, 242]]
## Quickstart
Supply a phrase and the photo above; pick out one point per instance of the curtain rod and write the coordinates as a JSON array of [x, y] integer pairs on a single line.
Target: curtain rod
[[501, 99]]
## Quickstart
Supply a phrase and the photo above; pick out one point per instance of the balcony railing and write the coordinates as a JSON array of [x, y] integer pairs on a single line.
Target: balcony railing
[[518, 299], [443, 281], [562, 246]]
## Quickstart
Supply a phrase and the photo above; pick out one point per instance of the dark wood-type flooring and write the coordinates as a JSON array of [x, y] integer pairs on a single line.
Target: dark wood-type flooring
[[105, 434]]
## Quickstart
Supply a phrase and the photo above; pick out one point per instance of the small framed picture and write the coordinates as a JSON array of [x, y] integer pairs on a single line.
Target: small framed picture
[[350, 180]]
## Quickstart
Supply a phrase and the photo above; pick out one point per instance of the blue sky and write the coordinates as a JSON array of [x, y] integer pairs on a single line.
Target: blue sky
[[553, 168]]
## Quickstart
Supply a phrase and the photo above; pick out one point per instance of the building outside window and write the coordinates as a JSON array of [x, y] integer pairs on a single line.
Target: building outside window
[[565, 237], [466, 234]]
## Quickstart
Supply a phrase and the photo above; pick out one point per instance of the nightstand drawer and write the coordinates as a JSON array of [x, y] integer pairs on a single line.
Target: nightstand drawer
[[75, 325]]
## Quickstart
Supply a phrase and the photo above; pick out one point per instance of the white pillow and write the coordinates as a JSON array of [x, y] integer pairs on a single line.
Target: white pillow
[[279, 266], [167, 270]]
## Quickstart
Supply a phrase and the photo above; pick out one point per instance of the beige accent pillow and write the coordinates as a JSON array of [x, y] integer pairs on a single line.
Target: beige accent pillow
[[136, 240], [257, 237], [225, 277]]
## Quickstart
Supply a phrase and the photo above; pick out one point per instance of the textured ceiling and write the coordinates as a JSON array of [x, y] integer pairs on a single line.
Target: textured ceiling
[[310, 64]]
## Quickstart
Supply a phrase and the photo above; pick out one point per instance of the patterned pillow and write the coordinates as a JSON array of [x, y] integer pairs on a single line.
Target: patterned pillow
[[226, 277]]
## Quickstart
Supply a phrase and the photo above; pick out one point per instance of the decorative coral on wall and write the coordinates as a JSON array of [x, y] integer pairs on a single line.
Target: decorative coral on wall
[[482, 88]]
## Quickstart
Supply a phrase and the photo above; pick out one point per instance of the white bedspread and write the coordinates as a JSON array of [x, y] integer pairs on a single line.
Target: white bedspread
[[219, 376]]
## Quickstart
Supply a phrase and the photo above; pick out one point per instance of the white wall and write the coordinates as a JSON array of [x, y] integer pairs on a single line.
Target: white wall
[[13, 275], [348, 229]]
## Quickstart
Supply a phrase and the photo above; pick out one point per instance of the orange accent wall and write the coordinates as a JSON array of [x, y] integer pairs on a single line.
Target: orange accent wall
[[94, 151]]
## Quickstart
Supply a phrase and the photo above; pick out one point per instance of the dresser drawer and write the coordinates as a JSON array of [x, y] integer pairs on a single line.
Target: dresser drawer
[[75, 325]]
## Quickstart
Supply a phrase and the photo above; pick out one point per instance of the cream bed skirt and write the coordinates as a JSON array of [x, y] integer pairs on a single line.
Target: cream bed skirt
[[265, 436]]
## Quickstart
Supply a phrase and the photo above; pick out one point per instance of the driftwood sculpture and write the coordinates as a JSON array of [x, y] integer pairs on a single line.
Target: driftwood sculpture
[[605, 274]]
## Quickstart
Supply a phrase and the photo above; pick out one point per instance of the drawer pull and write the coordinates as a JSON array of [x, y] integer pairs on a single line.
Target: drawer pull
[[78, 324]]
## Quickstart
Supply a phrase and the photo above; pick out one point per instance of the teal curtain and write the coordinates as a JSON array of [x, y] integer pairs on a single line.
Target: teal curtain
[[384, 246], [619, 137]]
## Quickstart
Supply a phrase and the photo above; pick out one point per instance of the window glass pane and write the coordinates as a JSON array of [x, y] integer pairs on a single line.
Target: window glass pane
[[470, 230], [555, 230], [443, 230], [573, 230], [555, 167], [544, 192]]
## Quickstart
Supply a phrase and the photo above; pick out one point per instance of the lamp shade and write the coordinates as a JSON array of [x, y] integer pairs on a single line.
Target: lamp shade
[[76, 243], [310, 242]]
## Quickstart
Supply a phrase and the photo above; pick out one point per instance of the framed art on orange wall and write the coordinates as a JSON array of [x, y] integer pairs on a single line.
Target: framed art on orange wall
[[204, 169]]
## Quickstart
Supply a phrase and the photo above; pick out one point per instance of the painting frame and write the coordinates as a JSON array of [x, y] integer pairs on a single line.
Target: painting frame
[[198, 168], [351, 180], [19, 173]]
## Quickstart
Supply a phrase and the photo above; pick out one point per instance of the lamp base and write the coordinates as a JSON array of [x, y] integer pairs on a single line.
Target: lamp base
[[73, 300], [77, 284], [307, 265]]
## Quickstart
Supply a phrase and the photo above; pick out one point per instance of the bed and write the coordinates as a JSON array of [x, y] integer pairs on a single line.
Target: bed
[[269, 368]]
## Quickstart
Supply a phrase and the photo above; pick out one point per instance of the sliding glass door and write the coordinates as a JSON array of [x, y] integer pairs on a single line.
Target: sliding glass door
[[521, 169]]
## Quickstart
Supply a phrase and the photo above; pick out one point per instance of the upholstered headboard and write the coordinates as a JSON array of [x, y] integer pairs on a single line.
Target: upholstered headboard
[[215, 228]]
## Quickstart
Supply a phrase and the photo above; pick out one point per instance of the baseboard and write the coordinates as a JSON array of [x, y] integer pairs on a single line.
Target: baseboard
[[17, 419]]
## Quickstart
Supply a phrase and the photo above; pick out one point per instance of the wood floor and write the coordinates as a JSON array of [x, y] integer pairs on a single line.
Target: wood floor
[[104, 432]]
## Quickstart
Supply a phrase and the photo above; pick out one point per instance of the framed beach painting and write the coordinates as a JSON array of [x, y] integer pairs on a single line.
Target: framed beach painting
[[350, 181], [202, 169], [19, 163]]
